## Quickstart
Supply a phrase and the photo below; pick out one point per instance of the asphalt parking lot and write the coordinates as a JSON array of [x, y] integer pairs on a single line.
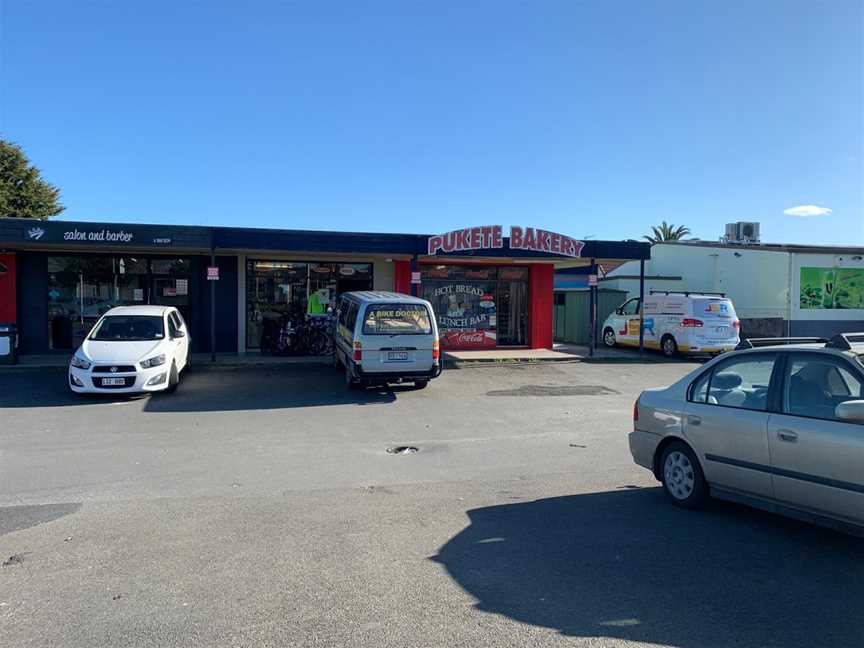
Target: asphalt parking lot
[[260, 507]]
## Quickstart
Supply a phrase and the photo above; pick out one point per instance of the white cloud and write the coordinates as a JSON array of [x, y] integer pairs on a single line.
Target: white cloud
[[807, 210]]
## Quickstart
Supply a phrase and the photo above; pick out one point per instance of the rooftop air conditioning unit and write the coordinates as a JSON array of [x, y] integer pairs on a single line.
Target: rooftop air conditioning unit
[[742, 232]]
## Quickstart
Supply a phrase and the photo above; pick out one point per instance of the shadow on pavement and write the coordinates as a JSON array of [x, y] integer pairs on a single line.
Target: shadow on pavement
[[257, 387], [628, 565], [205, 390], [14, 518], [46, 387]]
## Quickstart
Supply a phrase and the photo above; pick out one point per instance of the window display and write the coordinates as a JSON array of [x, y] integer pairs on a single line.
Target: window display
[[478, 306], [289, 304]]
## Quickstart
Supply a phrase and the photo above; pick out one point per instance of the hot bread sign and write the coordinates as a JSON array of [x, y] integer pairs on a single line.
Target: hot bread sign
[[489, 237]]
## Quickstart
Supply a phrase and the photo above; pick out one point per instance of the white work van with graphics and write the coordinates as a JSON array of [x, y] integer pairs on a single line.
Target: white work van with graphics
[[676, 322]]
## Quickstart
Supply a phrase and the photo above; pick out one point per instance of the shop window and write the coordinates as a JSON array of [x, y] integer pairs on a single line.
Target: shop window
[[277, 291], [478, 306], [82, 288]]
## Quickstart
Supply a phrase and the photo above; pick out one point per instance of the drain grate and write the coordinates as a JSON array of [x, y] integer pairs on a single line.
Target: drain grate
[[403, 450]]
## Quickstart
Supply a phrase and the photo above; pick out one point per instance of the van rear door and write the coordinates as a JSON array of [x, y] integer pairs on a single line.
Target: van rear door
[[397, 337], [720, 324]]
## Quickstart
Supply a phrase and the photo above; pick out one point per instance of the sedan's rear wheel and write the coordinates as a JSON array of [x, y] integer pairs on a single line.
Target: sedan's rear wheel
[[682, 476], [668, 346]]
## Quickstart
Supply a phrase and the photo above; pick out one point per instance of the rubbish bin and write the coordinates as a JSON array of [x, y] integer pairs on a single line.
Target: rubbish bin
[[8, 344]]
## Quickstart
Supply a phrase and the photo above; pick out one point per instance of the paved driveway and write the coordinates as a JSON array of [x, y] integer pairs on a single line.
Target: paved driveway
[[259, 507]]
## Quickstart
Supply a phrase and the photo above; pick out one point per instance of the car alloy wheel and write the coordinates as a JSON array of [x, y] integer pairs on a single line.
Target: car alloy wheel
[[680, 478], [669, 346], [609, 338]]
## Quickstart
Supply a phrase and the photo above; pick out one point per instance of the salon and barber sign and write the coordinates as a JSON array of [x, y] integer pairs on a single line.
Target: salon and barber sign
[[490, 237]]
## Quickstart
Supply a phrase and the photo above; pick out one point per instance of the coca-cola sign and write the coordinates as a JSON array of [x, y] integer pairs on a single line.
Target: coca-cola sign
[[485, 339], [489, 237]]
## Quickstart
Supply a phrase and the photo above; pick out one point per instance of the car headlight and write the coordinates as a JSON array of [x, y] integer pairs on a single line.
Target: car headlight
[[80, 363], [153, 362]]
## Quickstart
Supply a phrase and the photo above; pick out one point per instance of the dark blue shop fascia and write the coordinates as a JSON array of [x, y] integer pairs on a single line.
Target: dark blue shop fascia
[[35, 241], [167, 238]]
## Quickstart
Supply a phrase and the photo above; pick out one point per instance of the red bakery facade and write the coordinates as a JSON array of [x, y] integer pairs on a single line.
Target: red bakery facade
[[489, 290]]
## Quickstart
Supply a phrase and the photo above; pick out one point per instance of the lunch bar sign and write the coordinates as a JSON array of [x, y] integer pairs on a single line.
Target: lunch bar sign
[[488, 237]]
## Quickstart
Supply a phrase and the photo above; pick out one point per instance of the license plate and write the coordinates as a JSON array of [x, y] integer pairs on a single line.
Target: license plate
[[397, 356], [113, 381], [720, 329]]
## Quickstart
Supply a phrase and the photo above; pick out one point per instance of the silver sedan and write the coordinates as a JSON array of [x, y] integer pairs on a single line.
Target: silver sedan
[[778, 427]]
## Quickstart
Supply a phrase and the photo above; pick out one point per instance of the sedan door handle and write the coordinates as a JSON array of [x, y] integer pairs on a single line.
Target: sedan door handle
[[694, 420], [787, 435]]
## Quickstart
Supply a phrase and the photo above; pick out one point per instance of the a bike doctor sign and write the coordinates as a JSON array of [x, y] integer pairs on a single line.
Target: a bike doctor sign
[[488, 237]]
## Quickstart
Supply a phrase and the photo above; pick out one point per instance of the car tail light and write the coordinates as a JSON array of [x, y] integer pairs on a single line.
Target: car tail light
[[436, 350], [358, 351], [636, 411], [689, 322], [736, 323]]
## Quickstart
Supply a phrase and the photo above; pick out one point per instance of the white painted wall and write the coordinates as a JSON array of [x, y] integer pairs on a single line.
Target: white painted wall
[[757, 281], [761, 283]]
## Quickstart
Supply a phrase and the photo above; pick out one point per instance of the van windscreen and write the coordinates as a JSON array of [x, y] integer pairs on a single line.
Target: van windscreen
[[397, 319], [713, 308]]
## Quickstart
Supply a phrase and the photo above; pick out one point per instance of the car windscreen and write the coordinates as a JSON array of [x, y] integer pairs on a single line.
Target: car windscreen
[[125, 328], [397, 319], [722, 308]]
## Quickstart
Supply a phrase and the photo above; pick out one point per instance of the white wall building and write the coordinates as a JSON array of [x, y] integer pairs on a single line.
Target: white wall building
[[777, 289]]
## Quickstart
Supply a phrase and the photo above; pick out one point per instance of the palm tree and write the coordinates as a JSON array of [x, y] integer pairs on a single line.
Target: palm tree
[[667, 232]]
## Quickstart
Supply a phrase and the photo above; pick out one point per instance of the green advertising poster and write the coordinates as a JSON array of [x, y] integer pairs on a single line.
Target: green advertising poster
[[832, 288]]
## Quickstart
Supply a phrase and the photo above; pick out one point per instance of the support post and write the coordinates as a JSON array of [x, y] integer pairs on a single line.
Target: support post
[[212, 310], [593, 316], [415, 267], [642, 308]]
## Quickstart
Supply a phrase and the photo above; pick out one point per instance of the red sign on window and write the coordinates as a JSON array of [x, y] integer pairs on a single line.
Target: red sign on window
[[467, 339]]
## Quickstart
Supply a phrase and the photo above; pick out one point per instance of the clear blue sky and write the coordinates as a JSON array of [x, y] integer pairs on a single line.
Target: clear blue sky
[[590, 118]]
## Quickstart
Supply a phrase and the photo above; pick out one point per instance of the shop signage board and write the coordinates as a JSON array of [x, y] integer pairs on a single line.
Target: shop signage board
[[212, 273], [488, 237], [109, 235], [466, 314]]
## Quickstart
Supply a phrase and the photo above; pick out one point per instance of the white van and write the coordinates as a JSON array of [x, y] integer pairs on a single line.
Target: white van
[[384, 337], [676, 322]]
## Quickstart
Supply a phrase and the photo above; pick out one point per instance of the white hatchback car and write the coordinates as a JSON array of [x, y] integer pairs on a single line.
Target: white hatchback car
[[132, 349]]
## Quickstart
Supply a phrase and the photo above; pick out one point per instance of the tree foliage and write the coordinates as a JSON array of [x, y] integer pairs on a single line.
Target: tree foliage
[[667, 232], [23, 192]]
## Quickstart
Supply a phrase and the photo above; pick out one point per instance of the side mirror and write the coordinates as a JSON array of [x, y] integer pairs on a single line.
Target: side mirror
[[179, 334], [851, 410]]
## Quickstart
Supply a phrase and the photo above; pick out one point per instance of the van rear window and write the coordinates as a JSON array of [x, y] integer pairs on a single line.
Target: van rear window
[[713, 308], [397, 319]]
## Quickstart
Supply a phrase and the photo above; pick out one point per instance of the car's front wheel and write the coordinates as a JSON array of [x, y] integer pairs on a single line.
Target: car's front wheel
[[173, 379], [609, 337], [682, 476]]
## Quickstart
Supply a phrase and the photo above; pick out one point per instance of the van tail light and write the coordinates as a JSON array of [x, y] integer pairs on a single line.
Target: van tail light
[[689, 322], [358, 352], [636, 410], [436, 350], [736, 323]]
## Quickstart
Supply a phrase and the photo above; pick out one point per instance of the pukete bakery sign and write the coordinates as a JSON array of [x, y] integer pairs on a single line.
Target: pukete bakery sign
[[489, 237]]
